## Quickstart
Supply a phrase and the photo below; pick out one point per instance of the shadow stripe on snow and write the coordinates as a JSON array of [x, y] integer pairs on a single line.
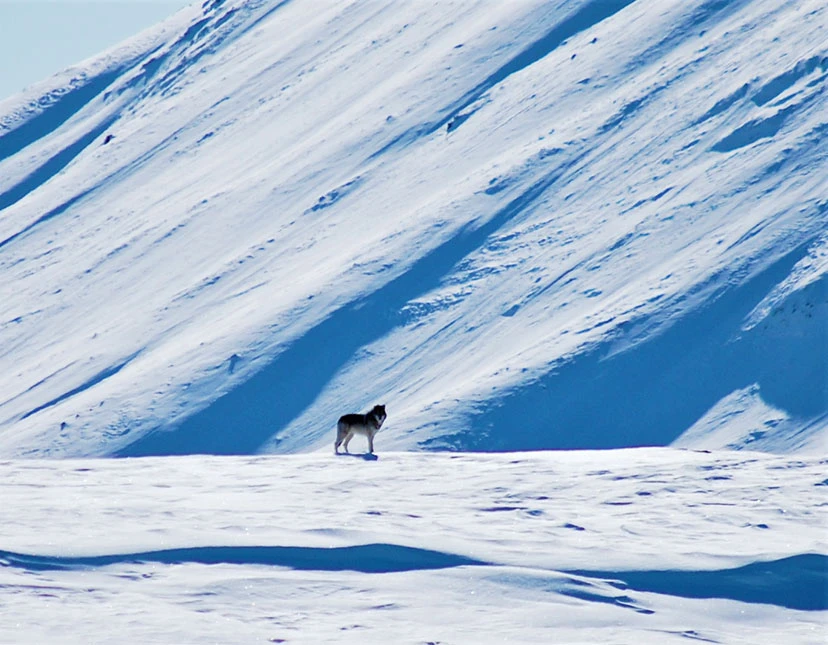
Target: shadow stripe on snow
[[60, 107], [367, 558], [797, 582]]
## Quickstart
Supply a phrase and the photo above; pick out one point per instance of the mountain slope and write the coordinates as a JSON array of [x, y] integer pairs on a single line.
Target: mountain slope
[[550, 225]]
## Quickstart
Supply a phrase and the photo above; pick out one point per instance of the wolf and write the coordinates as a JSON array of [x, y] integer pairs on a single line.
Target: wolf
[[366, 424]]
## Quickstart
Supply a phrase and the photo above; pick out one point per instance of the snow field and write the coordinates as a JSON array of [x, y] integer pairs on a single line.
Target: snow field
[[451, 548]]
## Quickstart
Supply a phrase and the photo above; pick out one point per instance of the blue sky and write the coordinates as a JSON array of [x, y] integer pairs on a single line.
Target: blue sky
[[41, 37]]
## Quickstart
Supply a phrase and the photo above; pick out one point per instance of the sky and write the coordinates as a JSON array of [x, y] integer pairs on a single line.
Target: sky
[[41, 37]]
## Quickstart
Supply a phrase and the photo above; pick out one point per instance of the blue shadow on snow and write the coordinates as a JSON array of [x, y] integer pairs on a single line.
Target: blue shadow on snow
[[798, 582], [652, 392], [55, 115], [242, 420], [367, 558]]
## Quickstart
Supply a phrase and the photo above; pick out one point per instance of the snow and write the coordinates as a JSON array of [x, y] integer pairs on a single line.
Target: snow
[[424, 547], [578, 249], [478, 199]]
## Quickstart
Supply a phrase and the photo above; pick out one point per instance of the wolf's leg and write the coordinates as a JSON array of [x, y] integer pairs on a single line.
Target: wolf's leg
[[370, 443], [348, 440]]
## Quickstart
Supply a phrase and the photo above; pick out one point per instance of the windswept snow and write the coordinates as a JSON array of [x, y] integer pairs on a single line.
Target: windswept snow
[[532, 230], [632, 546], [222, 235]]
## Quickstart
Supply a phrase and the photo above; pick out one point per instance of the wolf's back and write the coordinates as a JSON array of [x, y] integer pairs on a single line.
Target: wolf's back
[[351, 420]]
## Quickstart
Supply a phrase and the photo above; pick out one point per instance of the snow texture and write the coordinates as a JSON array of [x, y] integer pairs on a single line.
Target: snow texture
[[571, 245], [630, 546], [222, 235]]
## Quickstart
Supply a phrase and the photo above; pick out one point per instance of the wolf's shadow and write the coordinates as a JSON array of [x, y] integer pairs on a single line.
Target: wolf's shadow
[[365, 456]]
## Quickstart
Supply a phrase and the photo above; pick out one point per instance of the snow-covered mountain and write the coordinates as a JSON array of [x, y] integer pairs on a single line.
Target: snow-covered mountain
[[586, 224], [523, 226]]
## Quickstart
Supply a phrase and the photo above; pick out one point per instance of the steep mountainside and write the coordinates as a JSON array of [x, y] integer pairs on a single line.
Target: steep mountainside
[[567, 224]]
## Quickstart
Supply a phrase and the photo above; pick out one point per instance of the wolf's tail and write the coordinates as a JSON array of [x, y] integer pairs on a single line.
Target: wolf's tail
[[341, 431]]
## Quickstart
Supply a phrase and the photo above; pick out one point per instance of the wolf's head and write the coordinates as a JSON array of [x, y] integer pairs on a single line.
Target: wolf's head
[[378, 412]]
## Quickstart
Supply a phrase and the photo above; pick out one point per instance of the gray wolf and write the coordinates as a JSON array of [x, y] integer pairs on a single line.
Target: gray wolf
[[365, 424]]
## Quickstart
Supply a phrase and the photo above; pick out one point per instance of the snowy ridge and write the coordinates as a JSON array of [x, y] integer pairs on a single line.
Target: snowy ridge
[[483, 207]]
